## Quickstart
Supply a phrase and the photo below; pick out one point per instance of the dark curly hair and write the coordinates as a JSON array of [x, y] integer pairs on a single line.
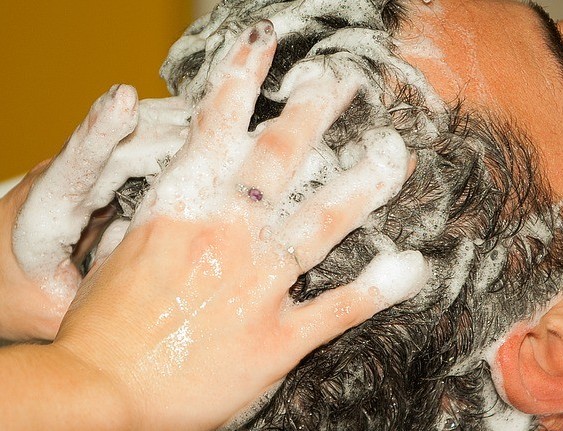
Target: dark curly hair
[[476, 207]]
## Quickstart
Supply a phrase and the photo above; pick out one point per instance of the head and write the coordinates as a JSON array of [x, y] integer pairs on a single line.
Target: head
[[473, 89]]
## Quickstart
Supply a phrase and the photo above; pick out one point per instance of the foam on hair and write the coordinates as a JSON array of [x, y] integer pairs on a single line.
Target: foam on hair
[[476, 207]]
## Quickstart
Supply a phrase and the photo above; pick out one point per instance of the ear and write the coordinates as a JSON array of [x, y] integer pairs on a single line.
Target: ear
[[529, 365], [560, 26]]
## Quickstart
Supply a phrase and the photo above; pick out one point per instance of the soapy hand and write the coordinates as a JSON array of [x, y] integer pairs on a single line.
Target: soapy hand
[[43, 217], [191, 315]]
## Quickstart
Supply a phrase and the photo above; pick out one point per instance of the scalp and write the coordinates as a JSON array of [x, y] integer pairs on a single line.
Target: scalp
[[476, 207]]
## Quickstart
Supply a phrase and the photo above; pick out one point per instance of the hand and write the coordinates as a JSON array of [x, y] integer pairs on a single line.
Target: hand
[[190, 317], [43, 217]]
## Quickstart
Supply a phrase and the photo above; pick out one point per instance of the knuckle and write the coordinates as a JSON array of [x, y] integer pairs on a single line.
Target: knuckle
[[277, 142]]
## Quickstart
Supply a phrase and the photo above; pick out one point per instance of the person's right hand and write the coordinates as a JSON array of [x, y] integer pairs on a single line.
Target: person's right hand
[[190, 318], [43, 217]]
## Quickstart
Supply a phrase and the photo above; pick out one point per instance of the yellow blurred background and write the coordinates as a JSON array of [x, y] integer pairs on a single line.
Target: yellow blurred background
[[58, 56]]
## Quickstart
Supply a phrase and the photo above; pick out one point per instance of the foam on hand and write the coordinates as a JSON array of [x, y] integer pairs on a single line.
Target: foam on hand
[[58, 206], [119, 139]]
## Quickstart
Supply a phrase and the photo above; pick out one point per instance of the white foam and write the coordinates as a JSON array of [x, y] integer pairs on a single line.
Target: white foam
[[384, 167], [397, 276], [56, 209], [502, 417], [491, 267], [314, 71]]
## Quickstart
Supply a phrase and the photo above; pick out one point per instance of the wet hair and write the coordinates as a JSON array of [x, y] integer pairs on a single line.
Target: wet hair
[[476, 207]]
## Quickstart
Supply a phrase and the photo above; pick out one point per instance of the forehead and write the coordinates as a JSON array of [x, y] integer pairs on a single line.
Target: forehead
[[495, 57], [469, 50], [478, 43]]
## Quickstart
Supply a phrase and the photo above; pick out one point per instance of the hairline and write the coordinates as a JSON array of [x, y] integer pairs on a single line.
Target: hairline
[[551, 35]]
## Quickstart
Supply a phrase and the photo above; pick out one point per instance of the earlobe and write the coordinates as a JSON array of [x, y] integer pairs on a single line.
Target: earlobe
[[530, 365]]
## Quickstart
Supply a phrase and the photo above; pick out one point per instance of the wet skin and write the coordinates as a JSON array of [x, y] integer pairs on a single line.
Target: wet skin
[[489, 34], [493, 56], [192, 308]]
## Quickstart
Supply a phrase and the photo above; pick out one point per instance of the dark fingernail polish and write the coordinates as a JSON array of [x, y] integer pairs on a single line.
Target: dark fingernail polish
[[253, 36]]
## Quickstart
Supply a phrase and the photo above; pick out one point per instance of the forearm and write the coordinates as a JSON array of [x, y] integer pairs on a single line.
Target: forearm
[[45, 387]]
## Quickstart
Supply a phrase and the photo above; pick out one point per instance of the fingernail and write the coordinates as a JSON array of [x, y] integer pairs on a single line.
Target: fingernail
[[114, 89], [264, 27], [268, 27]]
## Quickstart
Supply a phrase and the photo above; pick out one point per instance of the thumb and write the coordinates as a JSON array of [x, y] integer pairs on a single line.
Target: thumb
[[389, 279]]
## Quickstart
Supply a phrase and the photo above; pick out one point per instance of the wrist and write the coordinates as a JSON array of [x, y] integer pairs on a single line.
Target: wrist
[[104, 404], [50, 388]]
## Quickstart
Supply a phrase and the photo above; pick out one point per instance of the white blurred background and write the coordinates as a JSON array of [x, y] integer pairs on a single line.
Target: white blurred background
[[553, 7]]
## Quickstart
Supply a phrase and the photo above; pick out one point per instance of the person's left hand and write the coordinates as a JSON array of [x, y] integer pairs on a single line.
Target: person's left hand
[[43, 217]]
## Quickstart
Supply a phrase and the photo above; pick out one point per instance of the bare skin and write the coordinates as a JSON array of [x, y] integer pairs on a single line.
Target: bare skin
[[44, 215], [464, 44], [189, 320], [471, 39]]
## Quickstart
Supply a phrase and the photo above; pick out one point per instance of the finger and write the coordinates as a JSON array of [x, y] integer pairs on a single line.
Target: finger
[[172, 110], [54, 215], [389, 279], [314, 104], [344, 204], [144, 153], [160, 133], [111, 118], [234, 86], [111, 238], [218, 142]]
